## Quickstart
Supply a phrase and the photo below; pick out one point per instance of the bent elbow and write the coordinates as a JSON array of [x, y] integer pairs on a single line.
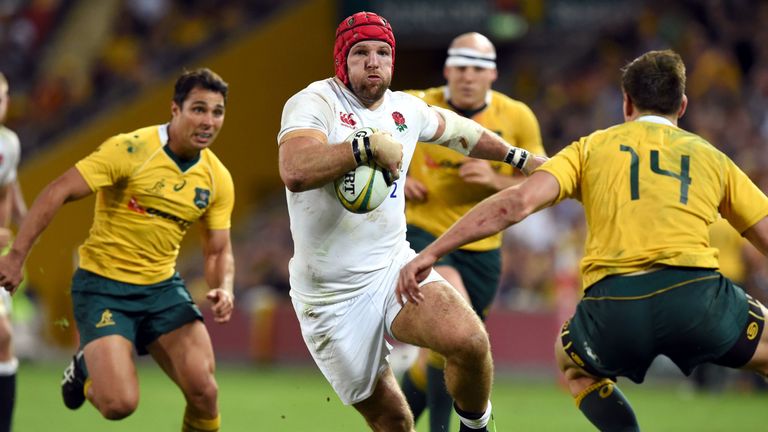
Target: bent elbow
[[293, 181]]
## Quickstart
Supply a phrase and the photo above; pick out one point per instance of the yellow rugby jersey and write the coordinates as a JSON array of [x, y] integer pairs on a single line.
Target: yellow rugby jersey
[[448, 196], [146, 201], [650, 192], [730, 245]]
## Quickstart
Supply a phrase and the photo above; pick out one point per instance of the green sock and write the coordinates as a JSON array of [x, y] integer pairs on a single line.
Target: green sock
[[414, 395], [606, 407], [439, 402]]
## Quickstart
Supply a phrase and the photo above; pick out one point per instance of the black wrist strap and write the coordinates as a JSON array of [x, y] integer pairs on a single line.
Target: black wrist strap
[[368, 152], [356, 152], [511, 155]]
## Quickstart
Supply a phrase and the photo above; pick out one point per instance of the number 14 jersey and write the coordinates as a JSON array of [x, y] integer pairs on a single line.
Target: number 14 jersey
[[650, 190]]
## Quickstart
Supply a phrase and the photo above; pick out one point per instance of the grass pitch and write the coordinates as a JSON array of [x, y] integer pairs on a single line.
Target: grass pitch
[[256, 398]]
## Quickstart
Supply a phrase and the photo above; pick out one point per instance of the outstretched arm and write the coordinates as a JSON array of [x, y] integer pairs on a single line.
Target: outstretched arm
[[757, 234], [70, 186], [490, 216], [219, 272], [470, 138], [19, 207]]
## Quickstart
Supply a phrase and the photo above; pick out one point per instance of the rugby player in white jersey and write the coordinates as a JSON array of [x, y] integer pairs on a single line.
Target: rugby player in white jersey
[[345, 266]]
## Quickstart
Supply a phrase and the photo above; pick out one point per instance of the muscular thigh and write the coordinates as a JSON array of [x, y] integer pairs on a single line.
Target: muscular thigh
[[110, 365], [438, 321], [185, 354]]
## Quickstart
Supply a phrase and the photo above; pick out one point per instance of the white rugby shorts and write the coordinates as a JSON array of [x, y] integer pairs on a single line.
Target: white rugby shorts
[[346, 339]]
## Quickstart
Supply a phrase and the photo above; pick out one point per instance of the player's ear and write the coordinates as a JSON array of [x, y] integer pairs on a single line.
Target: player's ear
[[627, 107], [683, 106], [175, 109]]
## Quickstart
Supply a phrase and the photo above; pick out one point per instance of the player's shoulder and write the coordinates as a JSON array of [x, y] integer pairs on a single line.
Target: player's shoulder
[[214, 162], [210, 157], [153, 132], [506, 102], [139, 142], [324, 89], [316, 95], [218, 170]]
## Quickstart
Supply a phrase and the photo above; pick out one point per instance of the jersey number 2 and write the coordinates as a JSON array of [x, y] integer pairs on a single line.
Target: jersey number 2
[[634, 172]]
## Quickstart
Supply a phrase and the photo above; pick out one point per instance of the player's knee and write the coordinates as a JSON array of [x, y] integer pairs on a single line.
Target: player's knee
[[392, 420], [472, 346], [117, 408], [203, 395]]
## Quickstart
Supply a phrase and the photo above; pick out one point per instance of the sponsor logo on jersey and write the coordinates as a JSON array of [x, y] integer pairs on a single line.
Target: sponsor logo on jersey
[[133, 205], [106, 319], [347, 120], [201, 197], [179, 186]]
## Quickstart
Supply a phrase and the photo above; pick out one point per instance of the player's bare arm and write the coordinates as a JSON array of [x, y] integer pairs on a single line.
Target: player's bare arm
[[19, 205], [495, 213], [70, 186], [470, 138], [757, 234], [308, 162], [219, 273]]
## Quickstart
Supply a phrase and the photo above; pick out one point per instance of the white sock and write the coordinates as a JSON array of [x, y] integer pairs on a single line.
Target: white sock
[[477, 423], [9, 367]]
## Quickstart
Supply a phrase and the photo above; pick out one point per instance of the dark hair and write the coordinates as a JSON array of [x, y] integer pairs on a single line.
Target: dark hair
[[203, 78], [655, 82]]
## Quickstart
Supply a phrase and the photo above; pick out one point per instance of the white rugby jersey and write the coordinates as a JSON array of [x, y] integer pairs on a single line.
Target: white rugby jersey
[[338, 253], [10, 153]]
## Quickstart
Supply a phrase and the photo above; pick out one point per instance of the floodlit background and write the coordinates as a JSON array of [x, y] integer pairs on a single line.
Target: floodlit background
[[83, 70]]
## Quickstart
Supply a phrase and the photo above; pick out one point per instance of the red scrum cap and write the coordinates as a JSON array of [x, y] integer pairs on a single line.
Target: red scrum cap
[[360, 27]]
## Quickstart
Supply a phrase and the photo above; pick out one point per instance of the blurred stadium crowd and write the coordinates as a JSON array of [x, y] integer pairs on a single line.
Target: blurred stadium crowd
[[569, 76], [68, 59]]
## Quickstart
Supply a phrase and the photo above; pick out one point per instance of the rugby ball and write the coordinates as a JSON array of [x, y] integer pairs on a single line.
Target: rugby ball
[[367, 186]]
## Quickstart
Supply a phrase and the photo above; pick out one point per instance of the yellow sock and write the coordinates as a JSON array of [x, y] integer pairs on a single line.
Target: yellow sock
[[192, 423], [436, 360], [418, 376], [87, 386]]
